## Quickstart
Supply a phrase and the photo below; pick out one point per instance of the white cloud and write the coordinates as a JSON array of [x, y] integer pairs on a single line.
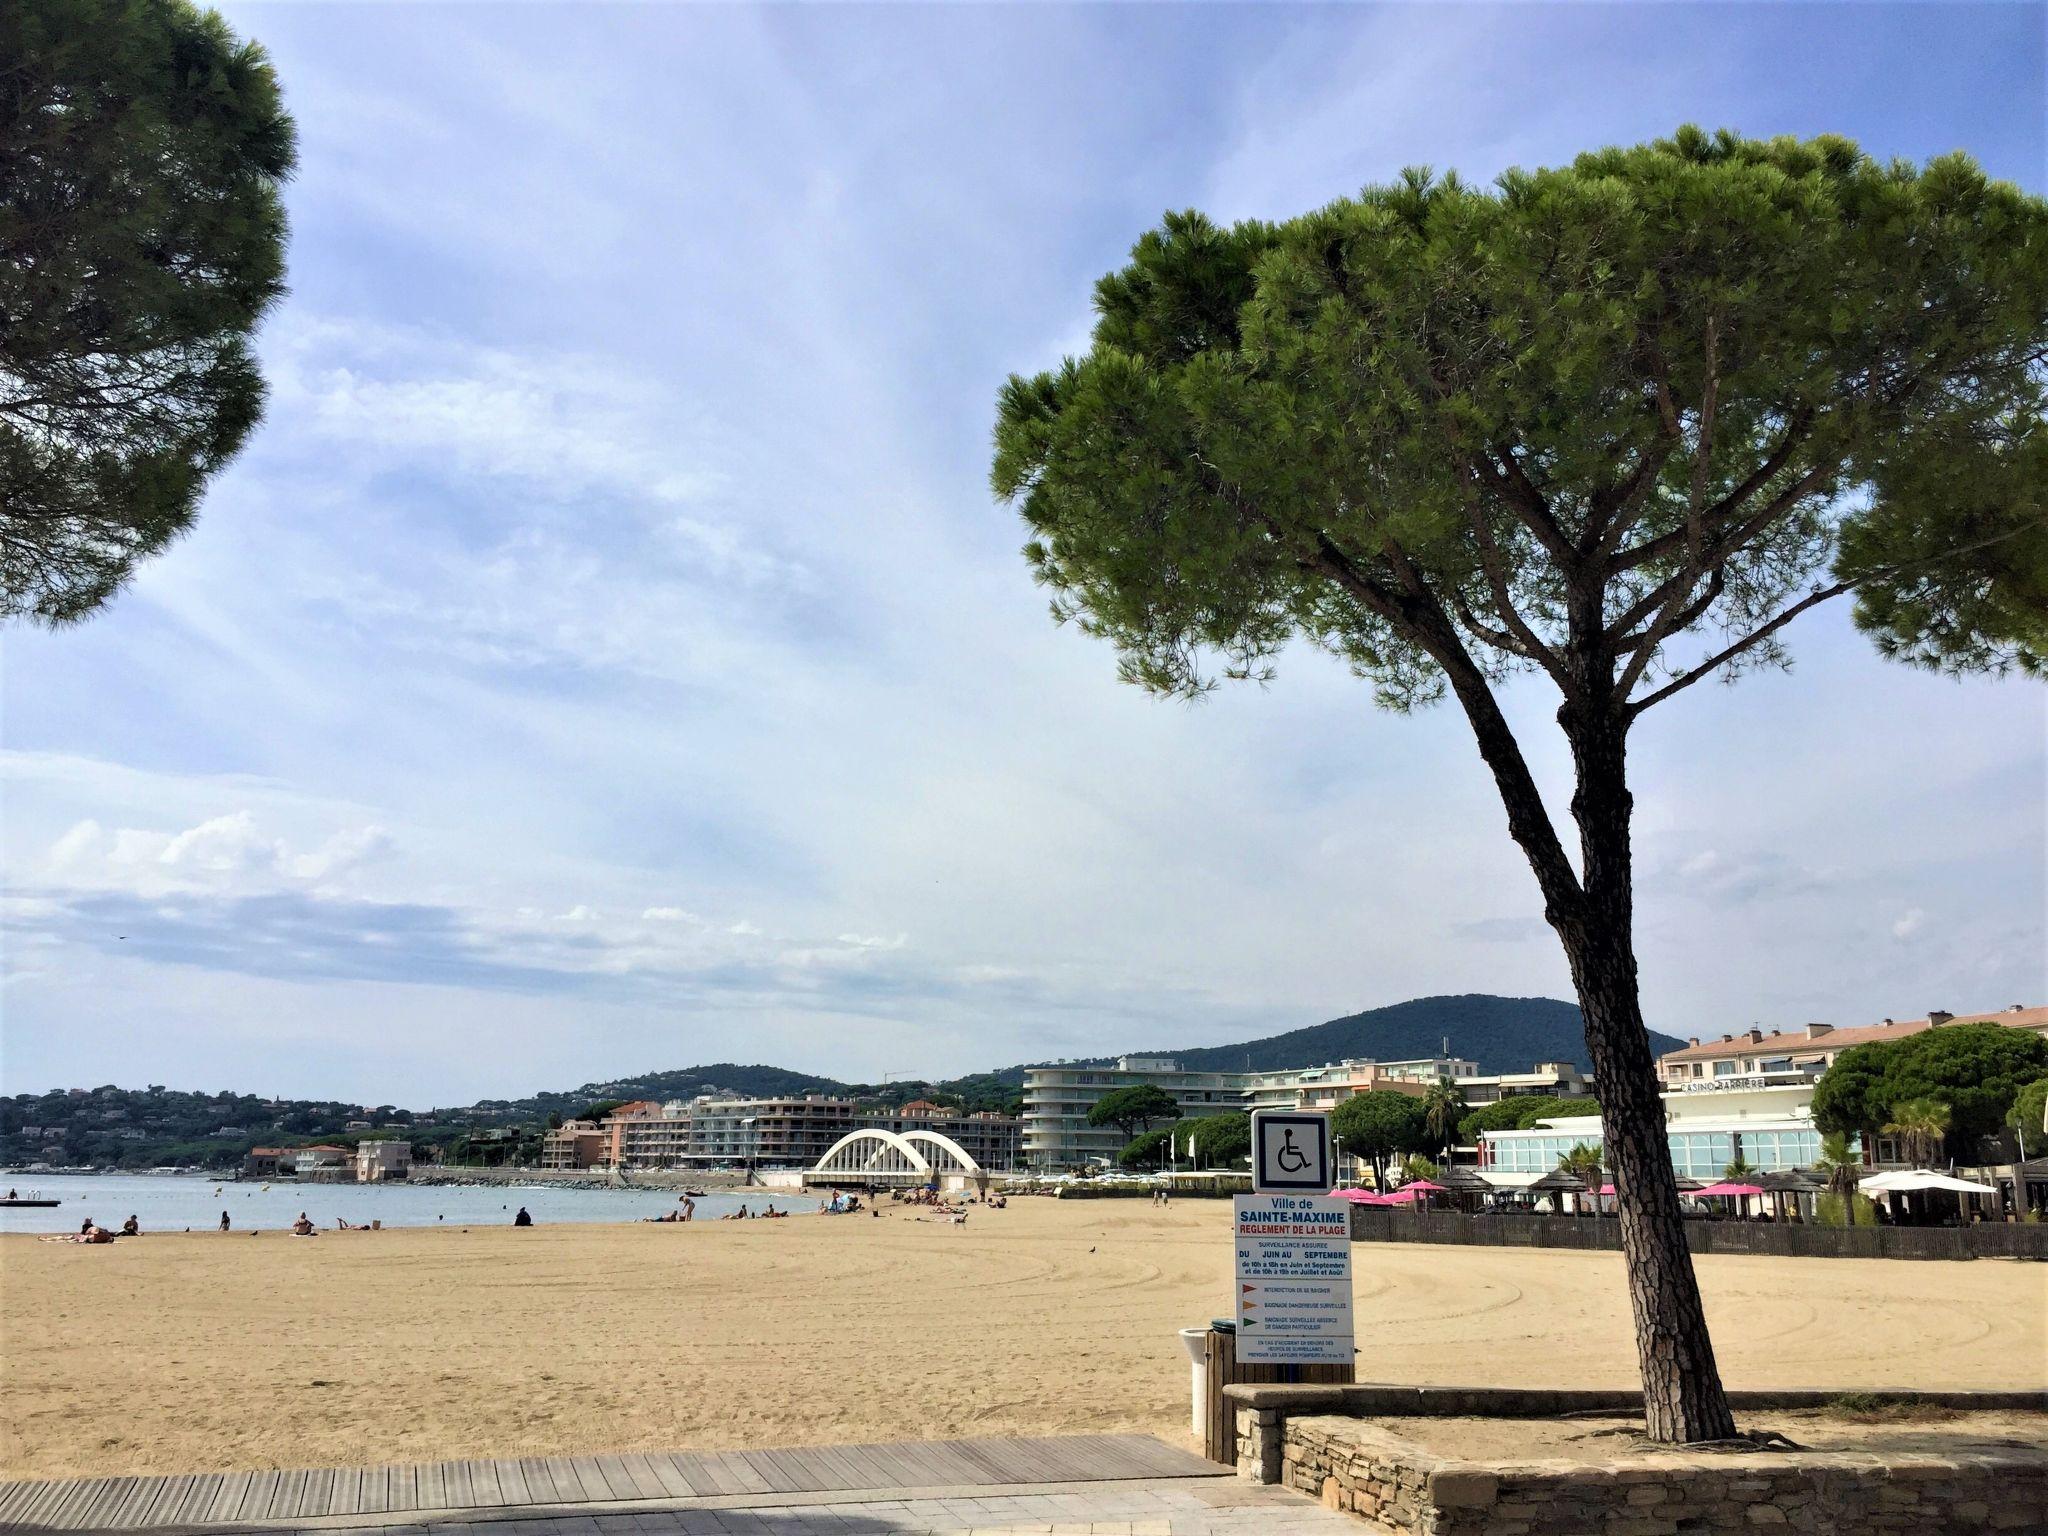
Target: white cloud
[[618, 538], [227, 852], [1910, 923]]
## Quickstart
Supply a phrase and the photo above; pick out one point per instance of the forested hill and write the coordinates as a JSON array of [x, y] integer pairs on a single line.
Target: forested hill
[[1502, 1034], [141, 1127], [720, 1077]]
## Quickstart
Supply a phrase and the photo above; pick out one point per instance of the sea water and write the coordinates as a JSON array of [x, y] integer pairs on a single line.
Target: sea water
[[175, 1202]]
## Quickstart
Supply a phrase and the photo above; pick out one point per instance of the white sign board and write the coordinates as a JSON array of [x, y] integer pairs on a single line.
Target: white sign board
[[1291, 1153], [1294, 1280]]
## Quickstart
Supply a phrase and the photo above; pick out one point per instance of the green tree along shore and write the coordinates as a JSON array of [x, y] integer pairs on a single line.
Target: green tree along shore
[[1971, 1075], [1614, 426]]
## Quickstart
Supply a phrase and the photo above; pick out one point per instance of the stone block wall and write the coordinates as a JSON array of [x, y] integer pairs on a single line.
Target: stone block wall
[[1376, 1474]]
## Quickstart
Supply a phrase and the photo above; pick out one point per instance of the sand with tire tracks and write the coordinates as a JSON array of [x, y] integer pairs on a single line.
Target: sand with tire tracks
[[205, 1352]]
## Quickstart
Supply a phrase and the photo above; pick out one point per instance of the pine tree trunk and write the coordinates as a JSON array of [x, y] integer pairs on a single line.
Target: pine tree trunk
[[1593, 914], [1682, 1395]]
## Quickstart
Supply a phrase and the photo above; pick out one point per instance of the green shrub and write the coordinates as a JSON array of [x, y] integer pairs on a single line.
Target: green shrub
[[1827, 1211]]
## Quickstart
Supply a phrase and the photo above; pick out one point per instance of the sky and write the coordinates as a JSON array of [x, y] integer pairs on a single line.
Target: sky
[[608, 655]]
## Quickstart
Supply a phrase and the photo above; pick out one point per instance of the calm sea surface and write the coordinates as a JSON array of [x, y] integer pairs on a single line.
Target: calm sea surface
[[166, 1203]]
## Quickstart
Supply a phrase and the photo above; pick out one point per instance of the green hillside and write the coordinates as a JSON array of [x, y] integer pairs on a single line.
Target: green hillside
[[1502, 1034]]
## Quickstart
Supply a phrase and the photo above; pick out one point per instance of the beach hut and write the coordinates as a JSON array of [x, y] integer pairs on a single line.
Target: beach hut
[[1793, 1182], [1727, 1190], [1556, 1184], [1468, 1188]]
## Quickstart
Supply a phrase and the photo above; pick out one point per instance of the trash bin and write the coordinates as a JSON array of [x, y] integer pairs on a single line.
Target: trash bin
[[1191, 1340], [1220, 1368]]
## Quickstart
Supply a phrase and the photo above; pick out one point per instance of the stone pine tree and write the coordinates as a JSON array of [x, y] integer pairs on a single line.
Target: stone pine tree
[[1614, 425], [141, 237]]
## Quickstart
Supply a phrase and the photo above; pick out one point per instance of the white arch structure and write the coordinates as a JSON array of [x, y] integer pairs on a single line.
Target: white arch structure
[[892, 1157]]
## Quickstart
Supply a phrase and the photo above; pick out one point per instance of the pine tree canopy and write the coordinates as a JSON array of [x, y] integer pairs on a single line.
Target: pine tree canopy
[[1618, 422], [141, 237]]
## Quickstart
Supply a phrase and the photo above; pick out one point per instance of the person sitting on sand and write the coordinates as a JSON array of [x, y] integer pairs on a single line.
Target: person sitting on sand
[[131, 1228], [303, 1227], [225, 1224], [523, 1219]]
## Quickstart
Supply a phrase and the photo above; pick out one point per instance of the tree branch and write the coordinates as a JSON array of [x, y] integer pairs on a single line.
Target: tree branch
[[1515, 487], [1796, 434], [1495, 569], [1687, 678]]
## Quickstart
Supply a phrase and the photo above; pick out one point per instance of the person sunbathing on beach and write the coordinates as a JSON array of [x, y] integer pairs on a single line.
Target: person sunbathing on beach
[[95, 1234], [303, 1227]]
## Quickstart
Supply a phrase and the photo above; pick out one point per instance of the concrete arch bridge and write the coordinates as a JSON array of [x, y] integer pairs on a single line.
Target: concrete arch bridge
[[874, 1158]]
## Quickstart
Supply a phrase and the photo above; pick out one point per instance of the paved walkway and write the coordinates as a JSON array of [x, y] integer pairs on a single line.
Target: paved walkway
[[1079, 1485]]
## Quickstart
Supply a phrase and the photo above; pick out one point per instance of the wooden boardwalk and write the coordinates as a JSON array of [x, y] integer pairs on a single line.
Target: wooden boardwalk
[[412, 1493]]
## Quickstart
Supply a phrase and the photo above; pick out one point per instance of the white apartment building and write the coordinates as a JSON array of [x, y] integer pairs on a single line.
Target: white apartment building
[[1746, 1096], [380, 1162], [1328, 1086], [1057, 1100]]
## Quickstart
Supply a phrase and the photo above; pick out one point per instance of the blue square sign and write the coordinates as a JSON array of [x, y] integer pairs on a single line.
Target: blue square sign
[[1291, 1152]]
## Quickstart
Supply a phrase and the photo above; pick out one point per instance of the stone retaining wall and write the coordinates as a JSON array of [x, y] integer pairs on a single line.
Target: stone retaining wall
[[1375, 1473]]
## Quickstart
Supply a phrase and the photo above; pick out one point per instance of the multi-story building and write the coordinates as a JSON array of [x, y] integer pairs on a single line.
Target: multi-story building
[[323, 1162], [379, 1162], [646, 1134], [994, 1141], [1547, 1080], [575, 1144], [766, 1133], [269, 1162], [1746, 1097], [1328, 1086], [1777, 1056], [1057, 1100]]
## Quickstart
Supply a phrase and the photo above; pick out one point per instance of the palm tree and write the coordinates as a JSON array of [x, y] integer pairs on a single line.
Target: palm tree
[[1442, 1108], [1920, 1124], [1740, 1171], [1415, 1166], [1583, 1162], [1840, 1169]]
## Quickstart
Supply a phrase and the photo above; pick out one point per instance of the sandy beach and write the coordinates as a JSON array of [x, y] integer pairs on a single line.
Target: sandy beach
[[207, 1352]]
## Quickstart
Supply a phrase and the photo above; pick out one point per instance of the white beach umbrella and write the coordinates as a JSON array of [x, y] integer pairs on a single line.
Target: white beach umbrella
[[1909, 1179]]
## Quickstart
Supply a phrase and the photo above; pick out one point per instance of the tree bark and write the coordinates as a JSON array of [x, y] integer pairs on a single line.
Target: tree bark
[[1682, 1395], [1593, 912]]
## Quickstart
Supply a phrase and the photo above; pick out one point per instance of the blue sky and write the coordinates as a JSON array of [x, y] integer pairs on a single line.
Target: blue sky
[[608, 655]]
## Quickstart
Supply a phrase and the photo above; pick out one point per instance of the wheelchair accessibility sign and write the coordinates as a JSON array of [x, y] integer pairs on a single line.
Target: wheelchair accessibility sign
[[1291, 1153]]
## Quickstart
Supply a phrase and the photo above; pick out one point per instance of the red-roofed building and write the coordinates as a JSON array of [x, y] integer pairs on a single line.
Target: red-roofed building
[[1759, 1053]]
